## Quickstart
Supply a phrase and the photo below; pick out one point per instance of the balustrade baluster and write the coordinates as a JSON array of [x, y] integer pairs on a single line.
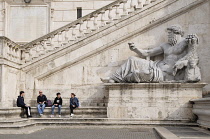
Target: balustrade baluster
[[110, 16], [16, 55], [57, 44], [66, 35], [125, 10], [42, 48], [13, 54], [59, 39], [132, 6], [88, 30], [147, 2], [73, 36], [95, 24], [117, 12], [139, 5], [36, 50], [9, 53], [51, 47], [80, 30], [103, 18], [27, 56]]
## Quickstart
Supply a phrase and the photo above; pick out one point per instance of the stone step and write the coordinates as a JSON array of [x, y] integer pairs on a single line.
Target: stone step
[[75, 119], [82, 112], [17, 126], [111, 123], [12, 121]]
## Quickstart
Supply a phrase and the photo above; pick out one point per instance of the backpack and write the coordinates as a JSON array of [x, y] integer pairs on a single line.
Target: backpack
[[49, 103]]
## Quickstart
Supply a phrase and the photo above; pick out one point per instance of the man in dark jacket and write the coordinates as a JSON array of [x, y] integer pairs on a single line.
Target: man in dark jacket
[[21, 103], [57, 103], [41, 100], [74, 103]]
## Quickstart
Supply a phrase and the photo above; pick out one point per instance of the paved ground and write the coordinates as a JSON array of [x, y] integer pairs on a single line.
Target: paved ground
[[67, 133], [190, 132]]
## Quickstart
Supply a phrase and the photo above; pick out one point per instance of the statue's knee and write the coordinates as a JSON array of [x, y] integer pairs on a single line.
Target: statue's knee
[[132, 57]]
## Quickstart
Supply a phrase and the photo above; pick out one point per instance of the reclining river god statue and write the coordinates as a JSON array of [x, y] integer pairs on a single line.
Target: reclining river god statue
[[179, 63]]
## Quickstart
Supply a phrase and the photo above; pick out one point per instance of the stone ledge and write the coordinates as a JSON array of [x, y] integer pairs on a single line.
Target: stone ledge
[[201, 100], [155, 85]]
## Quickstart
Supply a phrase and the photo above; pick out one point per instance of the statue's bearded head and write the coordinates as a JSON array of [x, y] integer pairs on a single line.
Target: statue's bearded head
[[174, 32]]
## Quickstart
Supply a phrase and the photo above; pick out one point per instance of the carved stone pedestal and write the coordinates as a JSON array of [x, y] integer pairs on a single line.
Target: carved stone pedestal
[[153, 101]]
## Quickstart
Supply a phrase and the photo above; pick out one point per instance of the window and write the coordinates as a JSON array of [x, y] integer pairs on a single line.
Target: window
[[79, 12]]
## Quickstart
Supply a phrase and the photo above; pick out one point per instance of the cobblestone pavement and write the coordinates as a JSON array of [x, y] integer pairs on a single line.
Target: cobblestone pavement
[[67, 133]]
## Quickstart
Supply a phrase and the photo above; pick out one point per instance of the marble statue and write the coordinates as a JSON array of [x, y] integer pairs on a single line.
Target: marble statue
[[179, 64]]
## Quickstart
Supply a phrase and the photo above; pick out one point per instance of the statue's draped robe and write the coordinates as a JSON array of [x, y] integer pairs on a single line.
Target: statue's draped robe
[[137, 70]]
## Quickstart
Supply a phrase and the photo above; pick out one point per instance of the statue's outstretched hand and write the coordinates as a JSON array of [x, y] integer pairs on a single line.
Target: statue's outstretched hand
[[132, 46], [192, 39], [179, 65]]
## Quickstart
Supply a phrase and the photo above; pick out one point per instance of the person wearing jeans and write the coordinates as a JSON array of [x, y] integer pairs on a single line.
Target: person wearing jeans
[[57, 103], [20, 103], [74, 103], [41, 100]]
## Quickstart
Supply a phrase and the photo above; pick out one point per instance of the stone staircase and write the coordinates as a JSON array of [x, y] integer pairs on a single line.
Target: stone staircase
[[27, 126]]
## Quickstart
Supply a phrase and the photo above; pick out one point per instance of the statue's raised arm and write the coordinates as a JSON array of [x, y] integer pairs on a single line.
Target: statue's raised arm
[[178, 53], [145, 53]]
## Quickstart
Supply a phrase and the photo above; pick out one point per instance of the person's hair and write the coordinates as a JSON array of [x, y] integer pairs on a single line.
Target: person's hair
[[58, 93], [73, 94], [40, 91], [176, 29], [21, 92]]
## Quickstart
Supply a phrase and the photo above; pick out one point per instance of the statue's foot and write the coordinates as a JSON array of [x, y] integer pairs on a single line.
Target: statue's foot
[[107, 80]]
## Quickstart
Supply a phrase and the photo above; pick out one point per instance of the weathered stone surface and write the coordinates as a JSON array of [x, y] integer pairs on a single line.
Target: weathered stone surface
[[164, 101], [201, 109]]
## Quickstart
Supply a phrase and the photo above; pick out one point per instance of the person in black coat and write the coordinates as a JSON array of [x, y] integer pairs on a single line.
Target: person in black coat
[[41, 100], [57, 103], [21, 103]]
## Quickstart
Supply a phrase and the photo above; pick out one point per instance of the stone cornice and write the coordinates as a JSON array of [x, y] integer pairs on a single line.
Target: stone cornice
[[154, 85], [201, 100]]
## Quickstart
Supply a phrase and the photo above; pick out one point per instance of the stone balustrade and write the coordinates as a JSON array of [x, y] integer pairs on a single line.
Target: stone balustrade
[[80, 28], [10, 50], [201, 108]]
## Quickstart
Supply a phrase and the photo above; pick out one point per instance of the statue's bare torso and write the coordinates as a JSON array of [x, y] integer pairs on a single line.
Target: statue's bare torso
[[171, 55]]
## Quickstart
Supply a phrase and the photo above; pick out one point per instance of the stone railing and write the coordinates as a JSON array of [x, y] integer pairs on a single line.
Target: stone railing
[[201, 108], [78, 29], [10, 50]]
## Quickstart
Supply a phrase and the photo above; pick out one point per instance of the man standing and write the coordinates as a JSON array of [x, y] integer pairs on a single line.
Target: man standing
[[20, 103], [57, 103], [74, 103], [41, 100]]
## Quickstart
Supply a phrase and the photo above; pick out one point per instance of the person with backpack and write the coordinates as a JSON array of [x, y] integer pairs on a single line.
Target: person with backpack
[[41, 100], [57, 103], [74, 103], [21, 103]]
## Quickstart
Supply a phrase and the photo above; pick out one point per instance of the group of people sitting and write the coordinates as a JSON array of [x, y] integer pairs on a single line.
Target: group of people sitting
[[42, 102]]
